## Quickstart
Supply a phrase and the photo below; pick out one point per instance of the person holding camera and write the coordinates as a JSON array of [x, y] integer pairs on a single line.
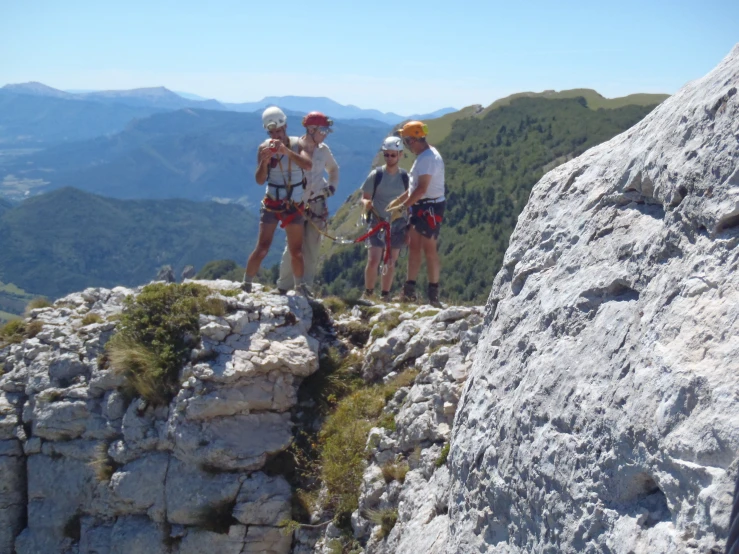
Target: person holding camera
[[382, 186], [426, 199], [317, 190], [281, 164]]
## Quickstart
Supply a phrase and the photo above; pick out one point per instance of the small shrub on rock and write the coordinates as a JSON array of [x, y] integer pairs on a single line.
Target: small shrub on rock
[[443, 455], [155, 336], [395, 471], [16, 330]]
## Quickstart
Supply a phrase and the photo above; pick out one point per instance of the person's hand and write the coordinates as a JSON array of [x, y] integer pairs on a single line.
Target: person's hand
[[281, 148], [330, 190], [264, 154], [367, 203]]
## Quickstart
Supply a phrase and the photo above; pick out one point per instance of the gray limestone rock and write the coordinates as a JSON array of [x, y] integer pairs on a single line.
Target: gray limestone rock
[[263, 500], [601, 410]]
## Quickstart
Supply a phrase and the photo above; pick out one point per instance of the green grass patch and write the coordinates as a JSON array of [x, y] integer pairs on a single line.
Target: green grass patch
[[336, 305], [426, 313], [17, 330], [231, 293], [389, 322], [343, 439], [443, 455], [157, 330]]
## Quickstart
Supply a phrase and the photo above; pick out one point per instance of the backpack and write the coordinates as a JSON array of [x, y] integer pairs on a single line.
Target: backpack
[[378, 177]]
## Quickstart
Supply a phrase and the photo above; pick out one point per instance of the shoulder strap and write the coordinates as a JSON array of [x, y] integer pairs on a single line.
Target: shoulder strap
[[378, 178], [405, 177]]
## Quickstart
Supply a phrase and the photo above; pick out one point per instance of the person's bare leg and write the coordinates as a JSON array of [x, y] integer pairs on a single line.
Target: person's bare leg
[[433, 265], [414, 254], [264, 241], [295, 245], [374, 254], [387, 277]]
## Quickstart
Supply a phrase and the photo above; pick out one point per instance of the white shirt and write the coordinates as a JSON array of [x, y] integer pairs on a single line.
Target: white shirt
[[323, 160], [429, 162]]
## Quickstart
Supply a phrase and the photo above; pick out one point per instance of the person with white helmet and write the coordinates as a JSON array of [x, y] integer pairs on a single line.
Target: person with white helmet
[[382, 186], [281, 164], [317, 190], [426, 199]]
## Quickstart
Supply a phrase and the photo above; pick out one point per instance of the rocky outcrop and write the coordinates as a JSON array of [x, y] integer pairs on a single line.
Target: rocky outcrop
[[602, 411], [85, 469]]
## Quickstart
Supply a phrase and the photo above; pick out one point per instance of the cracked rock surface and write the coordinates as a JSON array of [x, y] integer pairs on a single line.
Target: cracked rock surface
[[84, 470], [602, 410]]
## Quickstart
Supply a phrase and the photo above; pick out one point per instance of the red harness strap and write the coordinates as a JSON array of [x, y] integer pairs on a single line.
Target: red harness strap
[[282, 209], [376, 229]]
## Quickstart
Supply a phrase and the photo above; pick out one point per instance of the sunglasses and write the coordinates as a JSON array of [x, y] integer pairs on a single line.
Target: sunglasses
[[325, 130], [390, 154]]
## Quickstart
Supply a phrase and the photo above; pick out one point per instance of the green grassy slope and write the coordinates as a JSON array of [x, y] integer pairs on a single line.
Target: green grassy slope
[[68, 240], [492, 162]]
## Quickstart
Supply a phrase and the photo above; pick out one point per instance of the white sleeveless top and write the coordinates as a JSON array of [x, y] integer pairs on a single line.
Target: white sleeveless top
[[285, 172]]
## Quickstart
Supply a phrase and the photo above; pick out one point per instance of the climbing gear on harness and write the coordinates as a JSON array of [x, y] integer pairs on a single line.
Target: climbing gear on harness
[[414, 129], [273, 118], [425, 210], [285, 210]]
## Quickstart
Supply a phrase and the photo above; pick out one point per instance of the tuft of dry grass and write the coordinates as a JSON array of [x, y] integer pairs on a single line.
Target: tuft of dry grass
[[385, 518], [395, 471], [141, 368], [36, 303], [92, 318]]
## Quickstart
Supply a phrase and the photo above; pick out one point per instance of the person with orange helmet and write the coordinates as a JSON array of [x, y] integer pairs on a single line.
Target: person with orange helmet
[[281, 164], [425, 197], [317, 190]]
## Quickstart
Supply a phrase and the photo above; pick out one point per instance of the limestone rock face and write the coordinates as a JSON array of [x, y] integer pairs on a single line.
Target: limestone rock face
[[96, 472], [602, 410]]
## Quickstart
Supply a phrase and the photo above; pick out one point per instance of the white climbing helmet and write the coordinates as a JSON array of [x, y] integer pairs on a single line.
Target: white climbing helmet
[[273, 118], [393, 143]]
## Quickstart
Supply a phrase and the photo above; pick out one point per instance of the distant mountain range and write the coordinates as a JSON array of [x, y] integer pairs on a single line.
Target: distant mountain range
[[161, 98], [67, 240], [191, 153]]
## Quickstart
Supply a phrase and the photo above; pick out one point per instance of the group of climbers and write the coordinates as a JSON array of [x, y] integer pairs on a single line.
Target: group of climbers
[[401, 208]]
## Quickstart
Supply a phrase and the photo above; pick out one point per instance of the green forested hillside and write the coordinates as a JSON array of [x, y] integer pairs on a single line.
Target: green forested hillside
[[67, 240], [492, 163]]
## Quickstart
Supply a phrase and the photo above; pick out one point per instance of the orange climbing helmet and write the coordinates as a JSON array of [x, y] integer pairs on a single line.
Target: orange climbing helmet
[[414, 129]]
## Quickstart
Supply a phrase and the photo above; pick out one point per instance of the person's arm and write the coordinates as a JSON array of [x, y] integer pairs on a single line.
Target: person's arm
[[302, 160], [423, 184], [333, 173], [264, 155]]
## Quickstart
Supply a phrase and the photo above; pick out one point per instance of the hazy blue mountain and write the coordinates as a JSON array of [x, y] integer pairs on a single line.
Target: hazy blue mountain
[[67, 240], [34, 88], [194, 154], [304, 104], [157, 97], [30, 120]]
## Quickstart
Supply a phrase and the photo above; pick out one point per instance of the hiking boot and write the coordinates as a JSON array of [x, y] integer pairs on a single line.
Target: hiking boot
[[281, 292], [433, 294], [368, 295], [409, 293], [246, 286]]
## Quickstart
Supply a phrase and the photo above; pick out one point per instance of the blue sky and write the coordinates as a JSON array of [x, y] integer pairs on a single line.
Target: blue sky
[[395, 56]]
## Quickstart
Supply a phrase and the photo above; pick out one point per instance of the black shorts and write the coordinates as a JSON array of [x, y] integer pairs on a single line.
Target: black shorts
[[426, 218]]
